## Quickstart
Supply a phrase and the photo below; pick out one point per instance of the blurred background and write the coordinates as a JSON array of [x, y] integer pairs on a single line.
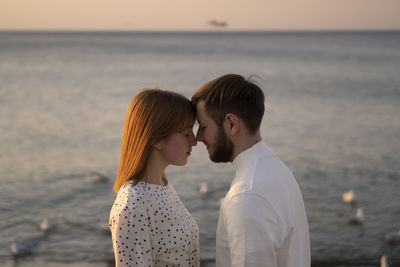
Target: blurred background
[[68, 71]]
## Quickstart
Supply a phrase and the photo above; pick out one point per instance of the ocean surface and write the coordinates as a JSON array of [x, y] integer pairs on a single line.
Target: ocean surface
[[332, 114]]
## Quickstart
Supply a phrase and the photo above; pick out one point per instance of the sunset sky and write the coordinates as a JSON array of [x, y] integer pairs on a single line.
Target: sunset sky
[[193, 15]]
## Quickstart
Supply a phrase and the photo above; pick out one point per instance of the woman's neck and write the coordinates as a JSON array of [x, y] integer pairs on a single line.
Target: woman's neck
[[155, 170]]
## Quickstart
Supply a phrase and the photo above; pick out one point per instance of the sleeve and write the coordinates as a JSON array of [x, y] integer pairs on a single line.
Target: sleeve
[[253, 232], [131, 238]]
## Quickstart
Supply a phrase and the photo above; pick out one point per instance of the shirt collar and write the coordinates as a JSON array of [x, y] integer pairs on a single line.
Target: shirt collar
[[244, 164], [250, 155]]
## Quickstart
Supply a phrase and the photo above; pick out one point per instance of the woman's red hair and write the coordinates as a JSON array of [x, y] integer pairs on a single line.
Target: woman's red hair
[[153, 115]]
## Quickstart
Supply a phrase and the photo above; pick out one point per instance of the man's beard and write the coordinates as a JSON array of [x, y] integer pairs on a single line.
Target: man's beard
[[223, 151]]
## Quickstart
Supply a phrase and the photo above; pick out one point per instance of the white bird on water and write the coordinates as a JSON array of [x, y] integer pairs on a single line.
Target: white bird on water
[[45, 225], [349, 197], [356, 219], [384, 262], [23, 248], [103, 227], [99, 177], [392, 238], [18, 249], [203, 188]]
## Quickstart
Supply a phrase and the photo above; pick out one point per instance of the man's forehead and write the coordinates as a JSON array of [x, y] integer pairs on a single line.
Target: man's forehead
[[202, 116], [201, 105], [201, 113], [199, 118]]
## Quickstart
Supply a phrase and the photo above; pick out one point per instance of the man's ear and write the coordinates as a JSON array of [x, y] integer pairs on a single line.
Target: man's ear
[[231, 124]]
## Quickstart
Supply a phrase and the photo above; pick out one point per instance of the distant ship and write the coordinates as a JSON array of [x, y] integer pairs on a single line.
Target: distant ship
[[217, 24]]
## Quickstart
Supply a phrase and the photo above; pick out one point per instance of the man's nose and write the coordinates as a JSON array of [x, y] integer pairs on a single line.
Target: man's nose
[[199, 136], [193, 140]]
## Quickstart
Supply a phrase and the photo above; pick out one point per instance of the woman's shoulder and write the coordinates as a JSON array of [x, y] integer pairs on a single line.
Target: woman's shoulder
[[141, 195], [129, 200], [131, 194]]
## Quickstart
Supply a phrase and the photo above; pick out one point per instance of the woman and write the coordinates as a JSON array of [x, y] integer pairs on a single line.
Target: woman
[[149, 224]]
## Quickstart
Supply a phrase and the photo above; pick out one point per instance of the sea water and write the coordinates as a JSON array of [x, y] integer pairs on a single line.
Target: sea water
[[332, 115]]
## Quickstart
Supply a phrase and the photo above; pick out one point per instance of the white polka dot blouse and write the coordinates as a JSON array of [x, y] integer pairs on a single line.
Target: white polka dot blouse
[[150, 226]]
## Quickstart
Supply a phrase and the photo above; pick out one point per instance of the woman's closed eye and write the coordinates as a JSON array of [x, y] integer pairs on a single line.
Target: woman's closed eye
[[188, 133]]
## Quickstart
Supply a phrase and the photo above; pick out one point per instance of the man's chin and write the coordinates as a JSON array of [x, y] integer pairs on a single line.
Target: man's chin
[[218, 158], [223, 150]]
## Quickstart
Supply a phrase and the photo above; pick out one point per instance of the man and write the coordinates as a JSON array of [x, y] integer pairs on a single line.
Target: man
[[262, 218]]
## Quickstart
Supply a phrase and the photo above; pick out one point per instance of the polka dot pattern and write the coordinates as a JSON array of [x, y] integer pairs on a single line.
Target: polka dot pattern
[[150, 226]]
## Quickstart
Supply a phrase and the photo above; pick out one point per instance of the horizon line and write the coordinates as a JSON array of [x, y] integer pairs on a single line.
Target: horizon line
[[200, 30]]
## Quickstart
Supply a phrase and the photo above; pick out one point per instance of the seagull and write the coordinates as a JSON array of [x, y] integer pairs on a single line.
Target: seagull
[[355, 219], [217, 24], [203, 188], [103, 227], [384, 262], [348, 197], [45, 225], [392, 238], [100, 178], [19, 249]]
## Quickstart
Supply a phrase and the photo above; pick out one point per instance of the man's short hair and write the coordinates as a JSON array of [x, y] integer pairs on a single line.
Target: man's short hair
[[231, 93]]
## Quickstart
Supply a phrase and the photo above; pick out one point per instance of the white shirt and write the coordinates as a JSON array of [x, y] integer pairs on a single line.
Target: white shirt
[[262, 218], [150, 226]]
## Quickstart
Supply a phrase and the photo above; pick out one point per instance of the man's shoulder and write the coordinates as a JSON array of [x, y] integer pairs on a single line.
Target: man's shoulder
[[269, 179], [249, 206]]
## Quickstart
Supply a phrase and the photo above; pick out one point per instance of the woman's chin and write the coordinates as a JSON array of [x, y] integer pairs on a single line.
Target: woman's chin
[[181, 163]]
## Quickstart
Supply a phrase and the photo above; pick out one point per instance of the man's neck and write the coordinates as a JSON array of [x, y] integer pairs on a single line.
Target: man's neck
[[245, 142]]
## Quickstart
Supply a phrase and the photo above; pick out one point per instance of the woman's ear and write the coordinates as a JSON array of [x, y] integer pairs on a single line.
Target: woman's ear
[[157, 145], [231, 124]]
